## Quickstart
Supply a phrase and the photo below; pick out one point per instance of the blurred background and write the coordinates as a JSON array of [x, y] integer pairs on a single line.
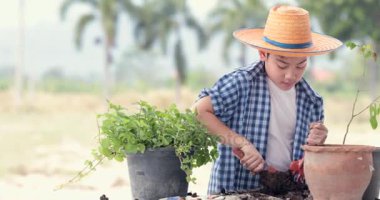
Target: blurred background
[[61, 59]]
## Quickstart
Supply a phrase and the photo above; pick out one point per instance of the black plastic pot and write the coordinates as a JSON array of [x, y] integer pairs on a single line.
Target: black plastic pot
[[373, 190], [156, 174]]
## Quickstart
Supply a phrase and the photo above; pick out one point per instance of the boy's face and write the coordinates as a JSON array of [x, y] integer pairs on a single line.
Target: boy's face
[[285, 72]]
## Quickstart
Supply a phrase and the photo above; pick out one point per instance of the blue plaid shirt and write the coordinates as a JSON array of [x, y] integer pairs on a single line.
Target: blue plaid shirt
[[241, 100]]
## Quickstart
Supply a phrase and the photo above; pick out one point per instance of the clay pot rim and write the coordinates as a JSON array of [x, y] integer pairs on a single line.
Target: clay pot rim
[[339, 148]]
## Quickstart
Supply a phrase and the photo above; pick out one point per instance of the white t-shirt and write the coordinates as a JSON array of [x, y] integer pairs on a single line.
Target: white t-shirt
[[282, 126]]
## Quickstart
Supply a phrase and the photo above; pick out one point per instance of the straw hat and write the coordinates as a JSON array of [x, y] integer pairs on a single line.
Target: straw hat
[[288, 32]]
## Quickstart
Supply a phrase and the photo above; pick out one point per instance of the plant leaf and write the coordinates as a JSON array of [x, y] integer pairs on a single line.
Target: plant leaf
[[351, 44], [373, 122]]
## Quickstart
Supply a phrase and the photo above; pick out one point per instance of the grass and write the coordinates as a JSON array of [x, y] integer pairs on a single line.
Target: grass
[[23, 133], [53, 133], [51, 119]]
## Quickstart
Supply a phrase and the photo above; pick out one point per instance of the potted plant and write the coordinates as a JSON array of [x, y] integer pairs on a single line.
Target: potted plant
[[373, 190], [342, 171], [161, 147]]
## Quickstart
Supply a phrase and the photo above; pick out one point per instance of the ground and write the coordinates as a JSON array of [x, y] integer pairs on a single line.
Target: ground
[[46, 141]]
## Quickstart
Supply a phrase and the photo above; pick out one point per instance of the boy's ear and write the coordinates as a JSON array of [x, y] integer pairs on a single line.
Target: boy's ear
[[263, 55]]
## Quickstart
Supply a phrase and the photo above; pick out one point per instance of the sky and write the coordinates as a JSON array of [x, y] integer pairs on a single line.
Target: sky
[[49, 40]]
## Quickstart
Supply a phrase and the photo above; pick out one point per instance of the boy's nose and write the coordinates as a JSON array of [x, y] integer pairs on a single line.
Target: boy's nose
[[290, 76]]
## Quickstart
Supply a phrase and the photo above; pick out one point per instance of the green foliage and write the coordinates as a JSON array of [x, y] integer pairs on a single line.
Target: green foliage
[[229, 16], [347, 19], [157, 22], [366, 49], [5, 84], [121, 133], [105, 12], [68, 85], [201, 77], [374, 112], [81, 25], [367, 52], [180, 61]]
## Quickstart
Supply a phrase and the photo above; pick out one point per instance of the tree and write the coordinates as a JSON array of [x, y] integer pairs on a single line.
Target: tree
[[18, 82], [105, 12], [229, 16], [350, 20], [163, 23]]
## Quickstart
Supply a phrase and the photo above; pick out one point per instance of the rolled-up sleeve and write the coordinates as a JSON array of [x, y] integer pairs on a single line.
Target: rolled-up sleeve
[[224, 96]]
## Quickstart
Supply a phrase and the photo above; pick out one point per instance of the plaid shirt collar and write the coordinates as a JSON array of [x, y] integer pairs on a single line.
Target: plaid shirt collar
[[258, 69]]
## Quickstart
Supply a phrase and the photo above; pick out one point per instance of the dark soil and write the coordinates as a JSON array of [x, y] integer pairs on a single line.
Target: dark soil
[[261, 195], [103, 197], [277, 183], [276, 186]]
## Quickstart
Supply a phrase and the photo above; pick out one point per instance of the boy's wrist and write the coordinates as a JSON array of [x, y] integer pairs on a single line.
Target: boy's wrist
[[234, 140], [239, 141], [245, 144]]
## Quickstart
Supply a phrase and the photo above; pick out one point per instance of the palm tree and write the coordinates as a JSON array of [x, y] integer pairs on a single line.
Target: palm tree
[[363, 25], [229, 16], [158, 22], [105, 12]]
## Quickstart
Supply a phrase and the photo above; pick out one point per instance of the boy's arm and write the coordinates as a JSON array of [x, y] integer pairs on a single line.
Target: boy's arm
[[205, 114], [251, 159]]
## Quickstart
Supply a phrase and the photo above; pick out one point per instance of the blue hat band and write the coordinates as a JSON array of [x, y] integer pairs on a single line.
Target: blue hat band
[[286, 45]]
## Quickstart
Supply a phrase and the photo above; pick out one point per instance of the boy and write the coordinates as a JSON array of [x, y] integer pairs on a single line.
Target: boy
[[265, 112]]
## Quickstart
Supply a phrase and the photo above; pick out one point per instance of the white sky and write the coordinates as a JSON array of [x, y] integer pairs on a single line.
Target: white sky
[[47, 11], [49, 39], [36, 12]]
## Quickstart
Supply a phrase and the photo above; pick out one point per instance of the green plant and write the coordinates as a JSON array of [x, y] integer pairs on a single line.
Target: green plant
[[374, 112], [121, 133], [374, 106]]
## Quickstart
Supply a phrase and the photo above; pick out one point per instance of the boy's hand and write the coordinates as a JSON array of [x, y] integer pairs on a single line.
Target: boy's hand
[[317, 134], [296, 168], [250, 158]]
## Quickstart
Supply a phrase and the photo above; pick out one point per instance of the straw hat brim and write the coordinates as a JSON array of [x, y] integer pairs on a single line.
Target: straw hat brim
[[321, 44]]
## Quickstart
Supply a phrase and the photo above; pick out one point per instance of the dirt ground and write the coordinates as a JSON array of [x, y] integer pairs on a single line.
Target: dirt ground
[[47, 142], [55, 165]]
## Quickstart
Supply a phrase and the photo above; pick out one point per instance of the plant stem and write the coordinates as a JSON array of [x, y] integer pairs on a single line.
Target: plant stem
[[353, 115], [375, 100], [85, 171]]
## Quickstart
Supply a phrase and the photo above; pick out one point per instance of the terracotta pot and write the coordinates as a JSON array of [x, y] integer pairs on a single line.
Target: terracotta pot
[[373, 189], [335, 172]]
